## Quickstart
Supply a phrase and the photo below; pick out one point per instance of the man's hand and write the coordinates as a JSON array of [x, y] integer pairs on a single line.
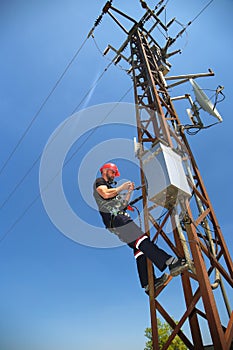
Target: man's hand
[[107, 193], [131, 187], [127, 186]]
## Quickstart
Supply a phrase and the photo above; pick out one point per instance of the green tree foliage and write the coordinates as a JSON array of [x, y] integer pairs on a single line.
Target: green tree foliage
[[164, 331]]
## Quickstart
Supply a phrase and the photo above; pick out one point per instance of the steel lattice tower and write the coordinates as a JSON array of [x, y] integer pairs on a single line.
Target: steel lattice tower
[[196, 232]]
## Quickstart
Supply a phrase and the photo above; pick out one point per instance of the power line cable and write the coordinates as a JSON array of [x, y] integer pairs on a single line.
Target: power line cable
[[38, 158], [190, 22], [42, 106], [204, 8], [20, 182], [108, 59], [199, 13], [68, 160], [33, 120]]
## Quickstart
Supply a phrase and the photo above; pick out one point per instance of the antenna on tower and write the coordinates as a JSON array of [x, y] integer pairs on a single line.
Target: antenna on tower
[[203, 100]]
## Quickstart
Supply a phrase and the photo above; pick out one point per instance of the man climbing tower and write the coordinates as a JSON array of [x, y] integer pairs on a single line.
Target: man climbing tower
[[112, 208]]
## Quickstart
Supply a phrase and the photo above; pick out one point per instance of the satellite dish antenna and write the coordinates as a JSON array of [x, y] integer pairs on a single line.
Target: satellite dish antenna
[[204, 101]]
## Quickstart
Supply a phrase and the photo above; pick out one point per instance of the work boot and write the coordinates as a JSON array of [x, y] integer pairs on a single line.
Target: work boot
[[158, 282], [178, 266]]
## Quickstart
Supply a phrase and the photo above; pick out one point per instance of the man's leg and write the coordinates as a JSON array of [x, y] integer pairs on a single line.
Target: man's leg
[[157, 255], [141, 262], [141, 267], [131, 234], [160, 258]]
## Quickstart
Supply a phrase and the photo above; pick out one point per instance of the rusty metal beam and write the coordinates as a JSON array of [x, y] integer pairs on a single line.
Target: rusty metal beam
[[172, 323], [188, 294], [206, 291]]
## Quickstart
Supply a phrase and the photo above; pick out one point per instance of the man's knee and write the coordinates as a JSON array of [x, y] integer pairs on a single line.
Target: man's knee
[[139, 240]]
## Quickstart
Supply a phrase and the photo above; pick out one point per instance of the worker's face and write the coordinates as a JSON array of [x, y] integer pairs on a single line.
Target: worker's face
[[110, 175]]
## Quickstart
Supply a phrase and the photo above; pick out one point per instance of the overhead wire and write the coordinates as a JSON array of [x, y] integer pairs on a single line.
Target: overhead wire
[[65, 163], [183, 26], [204, 8], [199, 13], [42, 106], [108, 59], [74, 110], [190, 22], [38, 158]]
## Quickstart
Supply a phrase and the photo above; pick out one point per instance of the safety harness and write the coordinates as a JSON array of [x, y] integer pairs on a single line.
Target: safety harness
[[115, 206]]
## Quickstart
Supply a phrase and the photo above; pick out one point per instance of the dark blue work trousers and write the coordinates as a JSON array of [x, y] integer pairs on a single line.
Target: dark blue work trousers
[[127, 231]]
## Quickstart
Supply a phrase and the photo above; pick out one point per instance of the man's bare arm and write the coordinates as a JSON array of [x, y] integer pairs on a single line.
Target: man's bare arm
[[107, 193]]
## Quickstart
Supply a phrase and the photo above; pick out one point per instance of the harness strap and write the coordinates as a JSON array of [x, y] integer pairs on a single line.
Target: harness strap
[[111, 221]]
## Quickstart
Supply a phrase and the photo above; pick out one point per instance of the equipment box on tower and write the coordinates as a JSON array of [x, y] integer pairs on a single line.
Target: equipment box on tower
[[165, 176]]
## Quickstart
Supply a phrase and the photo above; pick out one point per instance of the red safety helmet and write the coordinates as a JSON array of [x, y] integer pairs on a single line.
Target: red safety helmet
[[112, 167]]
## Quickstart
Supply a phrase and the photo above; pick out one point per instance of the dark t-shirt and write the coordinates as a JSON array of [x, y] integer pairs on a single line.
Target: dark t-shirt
[[103, 203], [124, 226]]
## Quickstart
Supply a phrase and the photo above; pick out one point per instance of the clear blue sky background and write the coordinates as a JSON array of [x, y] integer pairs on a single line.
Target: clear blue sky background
[[55, 293]]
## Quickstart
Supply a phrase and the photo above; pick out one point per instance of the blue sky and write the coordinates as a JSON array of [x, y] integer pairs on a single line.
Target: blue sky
[[56, 293]]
